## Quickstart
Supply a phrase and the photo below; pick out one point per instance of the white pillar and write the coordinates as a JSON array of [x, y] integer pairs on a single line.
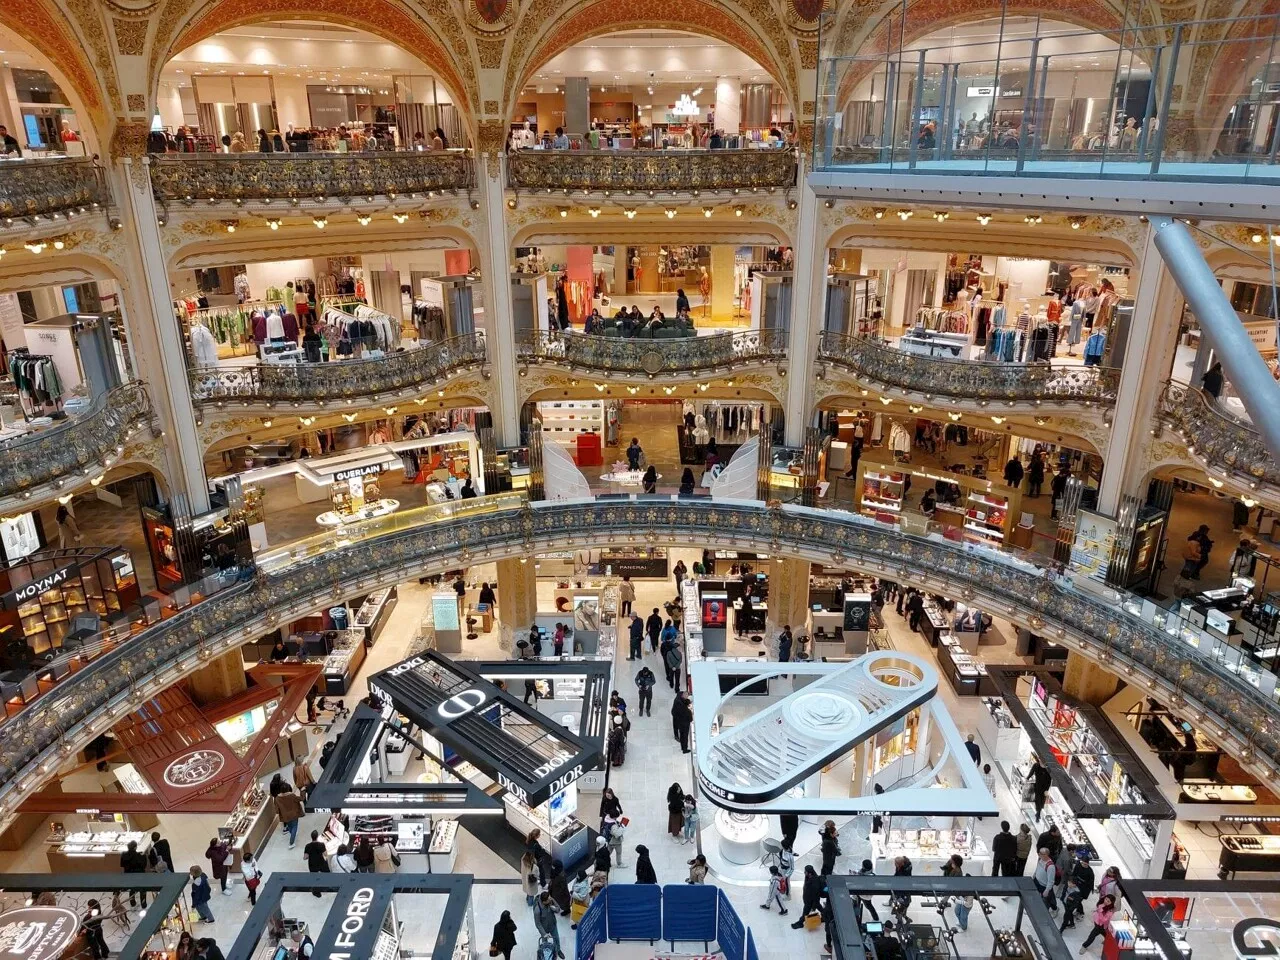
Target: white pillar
[[495, 268], [729, 105], [807, 304], [150, 320], [1148, 358]]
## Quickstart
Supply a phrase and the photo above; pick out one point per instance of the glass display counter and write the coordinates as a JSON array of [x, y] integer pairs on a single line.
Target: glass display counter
[[93, 851], [929, 844], [343, 663], [564, 836], [741, 835], [369, 511], [249, 825], [374, 612], [966, 674]]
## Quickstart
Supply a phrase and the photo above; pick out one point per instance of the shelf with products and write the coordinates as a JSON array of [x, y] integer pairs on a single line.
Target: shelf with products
[[895, 742], [929, 844], [249, 825], [93, 851], [564, 420]]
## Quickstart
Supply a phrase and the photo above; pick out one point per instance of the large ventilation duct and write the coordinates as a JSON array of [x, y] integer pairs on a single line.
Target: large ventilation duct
[[1240, 359]]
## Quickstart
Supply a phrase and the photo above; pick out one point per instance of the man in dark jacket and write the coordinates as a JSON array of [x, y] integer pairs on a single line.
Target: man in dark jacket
[[1013, 473], [645, 681], [653, 626], [790, 824], [671, 660], [1057, 487], [637, 638], [131, 861], [1004, 852], [1082, 877], [1040, 782], [812, 895], [317, 858], [784, 644], [830, 848], [1050, 840], [159, 852], [681, 720]]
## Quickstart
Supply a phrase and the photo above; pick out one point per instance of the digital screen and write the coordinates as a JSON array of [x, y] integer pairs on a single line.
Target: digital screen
[[444, 607], [70, 299], [242, 726], [715, 610]]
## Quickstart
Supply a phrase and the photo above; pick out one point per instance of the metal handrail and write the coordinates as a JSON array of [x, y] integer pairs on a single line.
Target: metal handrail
[[1217, 438], [685, 354]]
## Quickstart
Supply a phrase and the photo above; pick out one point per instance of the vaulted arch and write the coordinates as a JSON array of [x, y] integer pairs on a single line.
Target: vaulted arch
[[390, 20], [700, 17]]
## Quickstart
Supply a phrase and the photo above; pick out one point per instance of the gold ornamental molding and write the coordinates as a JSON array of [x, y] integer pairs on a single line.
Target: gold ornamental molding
[[614, 172]]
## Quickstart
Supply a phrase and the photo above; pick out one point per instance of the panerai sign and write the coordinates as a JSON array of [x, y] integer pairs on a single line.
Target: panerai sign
[[29, 591], [354, 922]]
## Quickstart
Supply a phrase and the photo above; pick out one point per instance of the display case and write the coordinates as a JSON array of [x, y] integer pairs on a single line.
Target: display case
[[93, 851], [986, 516], [249, 825], [1248, 853], [880, 491], [563, 420], [741, 835], [966, 674], [564, 836], [373, 614], [930, 843], [343, 663], [442, 850]]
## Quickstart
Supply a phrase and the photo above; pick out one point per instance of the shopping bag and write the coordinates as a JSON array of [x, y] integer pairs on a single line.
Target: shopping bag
[[576, 910], [813, 921]]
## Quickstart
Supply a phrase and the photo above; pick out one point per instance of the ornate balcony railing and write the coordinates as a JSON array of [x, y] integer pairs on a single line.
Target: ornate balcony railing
[[1216, 438], [664, 171], [340, 380], [303, 176], [968, 379], [71, 447], [690, 354], [316, 572], [30, 188]]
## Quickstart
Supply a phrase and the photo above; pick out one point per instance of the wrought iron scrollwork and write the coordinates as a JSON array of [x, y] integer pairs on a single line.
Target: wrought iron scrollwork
[[1216, 438], [880, 363], [341, 379], [73, 446], [690, 354], [434, 538], [31, 188], [663, 171], [305, 176]]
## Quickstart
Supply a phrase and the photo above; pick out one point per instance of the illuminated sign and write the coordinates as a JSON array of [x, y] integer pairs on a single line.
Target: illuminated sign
[[194, 768], [352, 472], [686, 106], [1264, 934], [37, 933], [357, 913]]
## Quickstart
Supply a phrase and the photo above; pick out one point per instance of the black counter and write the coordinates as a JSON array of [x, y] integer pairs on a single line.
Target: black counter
[[1236, 856]]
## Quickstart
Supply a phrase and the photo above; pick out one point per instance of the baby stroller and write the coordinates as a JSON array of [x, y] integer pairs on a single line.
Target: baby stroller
[[546, 948]]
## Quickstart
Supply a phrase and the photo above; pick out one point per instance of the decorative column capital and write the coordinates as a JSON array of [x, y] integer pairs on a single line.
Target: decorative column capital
[[491, 140]]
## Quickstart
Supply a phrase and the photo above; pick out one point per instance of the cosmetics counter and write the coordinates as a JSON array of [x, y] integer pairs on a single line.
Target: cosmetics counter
[[968, 507], [1108, 781], [964, 671], [1248, 853], [932, 843], [1000, 732], [563, 836], [1126, 940]]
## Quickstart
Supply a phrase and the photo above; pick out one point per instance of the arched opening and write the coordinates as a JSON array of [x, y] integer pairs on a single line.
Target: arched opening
[[653, 89], [1017, 89], [50, 103], [310, 86]]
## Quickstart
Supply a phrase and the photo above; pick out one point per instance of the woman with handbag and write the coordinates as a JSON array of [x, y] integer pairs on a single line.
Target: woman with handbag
[[385, 858], [504, 937], [529, 877], [252, 875]]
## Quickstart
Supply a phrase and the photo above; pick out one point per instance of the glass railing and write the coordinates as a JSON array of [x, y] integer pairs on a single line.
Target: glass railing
[[1056, 104], [1132, 637]]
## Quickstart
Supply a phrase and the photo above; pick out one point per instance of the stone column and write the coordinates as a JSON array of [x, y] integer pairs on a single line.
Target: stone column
[[1148, 358], [495, 268], [729, 105], [517, 600], [788, 599], [807, 305], [221, 678], [1088, 682], [157, 342]]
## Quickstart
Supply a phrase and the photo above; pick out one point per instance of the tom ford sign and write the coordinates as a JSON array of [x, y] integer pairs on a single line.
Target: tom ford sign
[[353, 925]]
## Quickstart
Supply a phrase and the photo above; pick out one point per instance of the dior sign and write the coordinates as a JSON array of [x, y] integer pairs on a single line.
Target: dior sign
[[460, 704]]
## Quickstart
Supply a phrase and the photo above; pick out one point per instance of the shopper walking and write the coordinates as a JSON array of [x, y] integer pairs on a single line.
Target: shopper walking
[[785, 641], [1082, 877], [1201, 536], [1035, 473], [558, 887], [653, 627], [1212, 382], [675, 810], [1045, 878], [1013, 473], [604, 858], [1051, 840], [634, 453], [547, 922], [160, 853], [811, 895], [131, 861], [1024, 841], [91, 923], [627, 595], [610, 807], [636, 637], [1040, 783], [790, 823], [289, 810], [775, 892], [503, 940], [67, 529], [252, 875], [317, 857], [671, 661], [864, 903], [644, 866], [830, 847], [303, 781], [680, 571], [385, 858], [1058, 488], [681, 720], [218, 854], [363, 855], [529, 877], [200, 894], [1004, 852], [1102, 915], [645, 681], [1110, 884], [1063, 861], [971, 747], [533, 846]]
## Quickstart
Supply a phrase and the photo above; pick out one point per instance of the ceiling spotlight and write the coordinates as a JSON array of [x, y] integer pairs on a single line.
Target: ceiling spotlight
[[564, 212], [737, 211], [828, 204], [955, 416], [905, 214], [320, 222], [59, 244], [594, 211], [629, 213], [998, 420], [1256, 238], [791, 204], [273, 223], [231, 226], [940, 215], [399, 217], [983, 218], [1076, 222], [35, 246], [706, 211], [879, 213], [671, 213], [363, 219]]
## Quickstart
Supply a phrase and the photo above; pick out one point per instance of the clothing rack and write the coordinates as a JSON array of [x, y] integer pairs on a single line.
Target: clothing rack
[[36, 377], [942, 319]]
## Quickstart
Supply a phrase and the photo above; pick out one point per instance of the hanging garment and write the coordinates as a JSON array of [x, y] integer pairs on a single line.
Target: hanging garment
[[275, 326], [204, 347]]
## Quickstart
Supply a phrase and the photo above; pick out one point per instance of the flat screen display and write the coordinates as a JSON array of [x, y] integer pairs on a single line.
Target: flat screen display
[[715, 610]]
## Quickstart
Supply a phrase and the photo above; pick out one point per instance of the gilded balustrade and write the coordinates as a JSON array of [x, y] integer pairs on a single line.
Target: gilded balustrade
[[876, 361], [30, 187], [662, 171], [627, 355], [1216, 438], [293, 581]]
